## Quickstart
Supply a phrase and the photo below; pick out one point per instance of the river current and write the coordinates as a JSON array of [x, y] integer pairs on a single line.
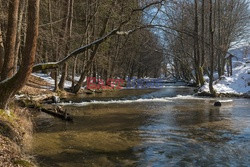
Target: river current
[[164, 127]]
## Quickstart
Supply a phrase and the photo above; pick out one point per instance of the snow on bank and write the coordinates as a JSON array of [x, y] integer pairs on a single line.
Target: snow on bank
[[146, 83], [51, 81], [239, 82]]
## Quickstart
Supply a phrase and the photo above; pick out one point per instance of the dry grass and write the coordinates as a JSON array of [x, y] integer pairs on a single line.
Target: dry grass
[[36, 86], [30, 90], [8, 152]]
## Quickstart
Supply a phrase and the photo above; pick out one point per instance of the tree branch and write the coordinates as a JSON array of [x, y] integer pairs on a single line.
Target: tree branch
[[55, 65]]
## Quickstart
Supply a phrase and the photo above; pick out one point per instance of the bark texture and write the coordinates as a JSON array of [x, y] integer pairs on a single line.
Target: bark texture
[[9, 87], [10, 45]]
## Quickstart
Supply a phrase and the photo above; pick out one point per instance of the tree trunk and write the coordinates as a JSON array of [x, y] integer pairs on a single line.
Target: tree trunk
[[53, 54], [203, 34], [19, 31], [219, 40], [9, 57], [1, 51], [211, 29], [14, 84], [74, 72], [63, 77], [68, 23], [198, 59], [78, 86], [202, 61]]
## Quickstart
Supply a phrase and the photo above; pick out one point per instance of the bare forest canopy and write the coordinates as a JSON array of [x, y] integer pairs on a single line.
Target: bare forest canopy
[[116, 38]]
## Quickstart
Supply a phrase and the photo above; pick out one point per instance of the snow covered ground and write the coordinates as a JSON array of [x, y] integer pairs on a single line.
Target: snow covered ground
[[239, 82]]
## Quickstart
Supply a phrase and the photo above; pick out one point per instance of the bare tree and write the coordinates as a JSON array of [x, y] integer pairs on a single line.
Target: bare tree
[[67, 37], [22, 8], [9, 87], [211, 29], [9, 57]]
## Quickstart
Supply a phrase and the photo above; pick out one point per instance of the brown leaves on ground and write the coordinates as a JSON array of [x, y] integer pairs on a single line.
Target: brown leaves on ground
[[9, 151], [36, 86], [15, 136]]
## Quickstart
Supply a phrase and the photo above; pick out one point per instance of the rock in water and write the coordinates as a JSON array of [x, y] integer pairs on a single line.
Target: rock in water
[[55, 99], [217, 104]]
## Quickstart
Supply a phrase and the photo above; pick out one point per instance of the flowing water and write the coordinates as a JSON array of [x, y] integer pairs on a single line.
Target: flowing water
[[166, 127]]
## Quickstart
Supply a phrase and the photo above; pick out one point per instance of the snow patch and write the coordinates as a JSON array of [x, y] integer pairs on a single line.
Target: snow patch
[[239, 82], [51, 81]]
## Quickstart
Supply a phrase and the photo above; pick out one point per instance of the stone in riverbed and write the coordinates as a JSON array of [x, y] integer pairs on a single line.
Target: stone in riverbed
[[217, 104], [55, 99]]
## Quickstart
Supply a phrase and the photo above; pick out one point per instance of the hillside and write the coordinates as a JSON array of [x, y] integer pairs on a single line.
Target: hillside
[[239, 82]]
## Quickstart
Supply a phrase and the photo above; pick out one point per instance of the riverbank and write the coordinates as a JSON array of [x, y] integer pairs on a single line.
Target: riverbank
[[16, 127], [15, 137], [236, 85]]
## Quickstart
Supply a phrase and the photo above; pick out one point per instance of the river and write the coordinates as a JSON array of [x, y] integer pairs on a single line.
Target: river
[[165, 127]]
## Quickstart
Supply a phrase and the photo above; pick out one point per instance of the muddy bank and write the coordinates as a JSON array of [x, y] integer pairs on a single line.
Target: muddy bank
[[16, 128]]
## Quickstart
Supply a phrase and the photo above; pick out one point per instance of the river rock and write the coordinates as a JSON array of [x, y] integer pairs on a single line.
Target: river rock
[[55, 99], [217, 104]]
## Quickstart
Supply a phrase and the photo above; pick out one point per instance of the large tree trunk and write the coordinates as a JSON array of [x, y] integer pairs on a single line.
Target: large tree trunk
[[9, 87], [9, 56]]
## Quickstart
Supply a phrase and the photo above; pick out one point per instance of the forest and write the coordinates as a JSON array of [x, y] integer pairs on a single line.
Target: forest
[[124, 82], [184, 39]]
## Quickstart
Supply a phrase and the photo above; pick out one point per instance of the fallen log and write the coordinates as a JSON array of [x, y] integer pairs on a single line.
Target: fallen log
[[53, 110], [57, 112]]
